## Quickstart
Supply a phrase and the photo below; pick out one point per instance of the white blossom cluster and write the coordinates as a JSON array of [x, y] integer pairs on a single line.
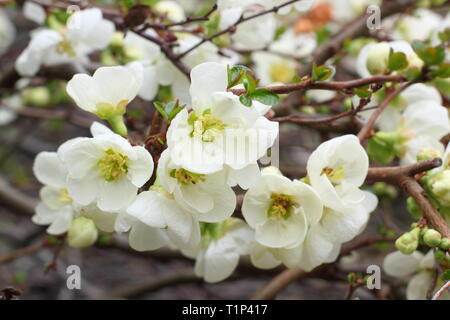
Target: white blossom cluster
[[186, 199]]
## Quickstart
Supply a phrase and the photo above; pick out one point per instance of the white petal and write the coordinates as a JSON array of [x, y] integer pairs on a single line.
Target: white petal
[[141, 169], [397, 264], [49, 170], [85, 92], [418, 286], [143, 238], [146, 208], [62, 222], [206, 79]]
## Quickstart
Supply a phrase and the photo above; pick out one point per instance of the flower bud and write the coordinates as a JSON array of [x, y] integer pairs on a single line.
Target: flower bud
[[37, 96], [271, 170], [408, 242], [82, 233], [413, 208], [445, 244], [382, 189], [428, 153], [378, 58], [432, 238], [439, 255], [441, 187]]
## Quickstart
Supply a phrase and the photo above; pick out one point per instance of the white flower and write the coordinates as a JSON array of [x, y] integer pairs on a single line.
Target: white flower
[[422, 25], [397, 264], [207, 197], [9, 107], [158, 220], [379, 55], [390, 117], [155, 66], [34, 12], [271, 68], [280, 210], [322, 241], [220, 131], [7, 32], [336, 170], [255, 34], [221, 246], [172, 9], [231, 10], [422, 125], [86, 31], [108, 91], [207, 52], [345, 10], [55, 208], [105, 169], [295, 45]]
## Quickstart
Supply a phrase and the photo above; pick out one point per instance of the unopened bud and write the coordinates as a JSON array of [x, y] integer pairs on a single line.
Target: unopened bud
[[82, 233], [413, 208], [441, 187], [432, 238], [378, 58], [428, 153], [37, 96], [408, 242], [445, 244]]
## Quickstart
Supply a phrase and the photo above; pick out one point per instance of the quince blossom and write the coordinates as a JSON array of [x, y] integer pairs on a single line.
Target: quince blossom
[[86, 32], [220, 248], [207, 196], [397, 264], [281, 210], [204, 140], [105, 169]]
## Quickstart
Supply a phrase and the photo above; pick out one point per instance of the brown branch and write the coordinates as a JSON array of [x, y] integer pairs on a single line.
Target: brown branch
[[366, 130], [356, 28], [152, 284], [286, 277], [309, 84], [446, 286], [233, 27], [404, 178], [22, 252]]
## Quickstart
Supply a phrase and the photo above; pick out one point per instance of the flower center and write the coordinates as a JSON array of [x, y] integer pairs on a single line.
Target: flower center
[[186, 177], [281, 206], [205, 126], [65, 46], [280, 72], [113, 165], [64, 196], [106, 110], [335, 175]]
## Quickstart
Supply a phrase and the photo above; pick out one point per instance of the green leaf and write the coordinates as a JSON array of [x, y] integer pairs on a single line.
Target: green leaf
[[235, 74], [446, 275], [161, 109], [265, 96], [175, 111], [398, 61], [249, 83], [321, 73], [245, 100], [444, 36], [443, 71], [363, 92], [322, 34], [430, 55]]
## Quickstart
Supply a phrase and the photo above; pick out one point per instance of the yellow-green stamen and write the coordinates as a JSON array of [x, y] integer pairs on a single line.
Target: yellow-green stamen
[[205, 126], [113, 165], [186, 177], [281, 206]]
